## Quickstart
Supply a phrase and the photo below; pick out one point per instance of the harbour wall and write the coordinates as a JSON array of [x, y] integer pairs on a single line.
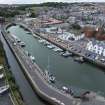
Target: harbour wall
[[42, 95]]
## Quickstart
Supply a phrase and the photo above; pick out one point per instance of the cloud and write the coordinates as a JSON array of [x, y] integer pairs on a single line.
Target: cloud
[[41, 1]]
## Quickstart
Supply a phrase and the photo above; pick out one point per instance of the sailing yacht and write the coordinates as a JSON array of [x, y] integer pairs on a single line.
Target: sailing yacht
[[48, 75]]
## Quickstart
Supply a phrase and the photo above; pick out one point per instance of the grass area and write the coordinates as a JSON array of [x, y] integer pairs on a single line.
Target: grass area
[[1, 54], [14, 89], [37, 8]]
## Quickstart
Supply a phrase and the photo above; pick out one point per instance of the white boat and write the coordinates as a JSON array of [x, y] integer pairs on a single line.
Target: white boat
[[1, 67], [67, 54], [32, 58], [64, 88], [27, 53], [22, 44], [79, 59], [1, 76], [67, 90], [49, 77], [4, 89], [57, 49], [46, 74], [42, 41], [50, 46], [46, 43], [18, 40], [28, 32], [15, 37]]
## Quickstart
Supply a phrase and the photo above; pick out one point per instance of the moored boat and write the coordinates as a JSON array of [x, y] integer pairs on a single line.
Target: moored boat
[[1, 76], [4, 89], [27, 53], [79, 59], [67, 54], [28, 32], [32, 58], [46, 43], [67, 90], [57, 49], [50, 46], [50, 78], [42, 41], [22, 44]]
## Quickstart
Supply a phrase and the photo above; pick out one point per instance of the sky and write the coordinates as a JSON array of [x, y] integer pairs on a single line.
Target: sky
[[41, 1]]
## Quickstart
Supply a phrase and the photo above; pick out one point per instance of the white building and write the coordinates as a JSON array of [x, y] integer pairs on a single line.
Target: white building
[[98, 49]]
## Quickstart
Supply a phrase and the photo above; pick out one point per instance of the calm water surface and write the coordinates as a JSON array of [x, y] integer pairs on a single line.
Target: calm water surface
[[67, 71]]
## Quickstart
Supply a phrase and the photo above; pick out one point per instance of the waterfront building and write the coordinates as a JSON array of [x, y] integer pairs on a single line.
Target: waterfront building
[[104, 52], [95, 48], [89, 46], [2, 19]]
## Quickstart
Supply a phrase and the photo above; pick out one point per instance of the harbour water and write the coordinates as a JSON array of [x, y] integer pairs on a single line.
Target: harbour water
[[29, 96], [66, 70]]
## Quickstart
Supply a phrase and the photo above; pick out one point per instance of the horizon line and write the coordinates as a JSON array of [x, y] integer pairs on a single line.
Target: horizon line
[[53, 2]]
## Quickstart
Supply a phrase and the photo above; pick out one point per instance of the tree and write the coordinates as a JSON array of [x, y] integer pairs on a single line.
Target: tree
[[33, 15], [76, 26]]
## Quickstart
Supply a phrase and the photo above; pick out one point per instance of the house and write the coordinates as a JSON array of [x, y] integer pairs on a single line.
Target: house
[[2, 19]]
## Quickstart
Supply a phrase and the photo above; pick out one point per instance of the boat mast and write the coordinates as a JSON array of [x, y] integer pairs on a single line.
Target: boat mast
[[48, 65]]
